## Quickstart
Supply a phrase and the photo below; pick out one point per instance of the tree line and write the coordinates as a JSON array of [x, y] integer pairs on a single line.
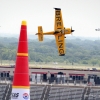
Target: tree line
[[77, 51]]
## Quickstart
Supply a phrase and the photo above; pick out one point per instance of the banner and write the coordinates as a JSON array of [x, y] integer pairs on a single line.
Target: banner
[[20, 94]]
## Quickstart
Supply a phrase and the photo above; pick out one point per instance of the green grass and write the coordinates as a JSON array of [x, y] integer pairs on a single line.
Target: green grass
[[51, 65]]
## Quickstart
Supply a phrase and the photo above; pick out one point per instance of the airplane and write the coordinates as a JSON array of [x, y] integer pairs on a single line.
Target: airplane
[[97, 29], [59, 31]]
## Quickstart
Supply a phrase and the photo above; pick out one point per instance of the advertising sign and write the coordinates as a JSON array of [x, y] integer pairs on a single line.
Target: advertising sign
[[20, 94]]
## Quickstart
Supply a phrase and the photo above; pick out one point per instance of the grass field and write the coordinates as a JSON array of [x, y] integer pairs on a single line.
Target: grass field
[[51, 65]]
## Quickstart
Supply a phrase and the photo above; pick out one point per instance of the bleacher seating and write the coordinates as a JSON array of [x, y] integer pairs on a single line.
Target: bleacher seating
[[36, 92], [2, 91], [94, 94], [54, 92], [57, 93]]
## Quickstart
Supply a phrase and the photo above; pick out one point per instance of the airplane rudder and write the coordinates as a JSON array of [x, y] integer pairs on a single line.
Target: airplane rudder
[[40, 30], [40, 33]]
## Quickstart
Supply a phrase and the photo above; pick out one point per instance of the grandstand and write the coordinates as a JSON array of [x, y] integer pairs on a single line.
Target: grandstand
[[55, 84], [54, 92], [55, 75]]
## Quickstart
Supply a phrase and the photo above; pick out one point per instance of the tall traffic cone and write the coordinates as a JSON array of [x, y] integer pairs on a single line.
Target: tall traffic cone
[[21, 85]]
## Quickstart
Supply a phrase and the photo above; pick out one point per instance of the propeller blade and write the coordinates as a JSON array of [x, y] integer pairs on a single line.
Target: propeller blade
[[36, 34], [72, 29]]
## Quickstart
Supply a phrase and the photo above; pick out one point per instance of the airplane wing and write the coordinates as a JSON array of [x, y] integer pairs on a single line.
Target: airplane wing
[[58, 19], [60, 42]]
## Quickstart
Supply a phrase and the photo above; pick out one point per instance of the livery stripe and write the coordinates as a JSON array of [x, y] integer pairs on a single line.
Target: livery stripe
[[22, 54], [23, 87]]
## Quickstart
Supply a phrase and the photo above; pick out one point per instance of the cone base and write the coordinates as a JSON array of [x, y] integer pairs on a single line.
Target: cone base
[[20, 94]]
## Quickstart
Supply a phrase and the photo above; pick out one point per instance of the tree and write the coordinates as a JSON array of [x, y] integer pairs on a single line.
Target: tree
[[94, 61]]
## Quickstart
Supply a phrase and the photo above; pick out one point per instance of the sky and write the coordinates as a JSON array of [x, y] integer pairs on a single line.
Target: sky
[[82, 15]]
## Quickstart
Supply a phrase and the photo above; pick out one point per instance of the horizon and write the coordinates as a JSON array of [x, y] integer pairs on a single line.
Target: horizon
[[33, 36]]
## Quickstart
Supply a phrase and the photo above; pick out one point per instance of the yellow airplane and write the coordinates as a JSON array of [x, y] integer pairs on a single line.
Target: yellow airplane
[[59, 31]]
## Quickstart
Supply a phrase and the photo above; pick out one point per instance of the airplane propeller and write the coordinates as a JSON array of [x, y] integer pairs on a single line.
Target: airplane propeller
[[72, 30]]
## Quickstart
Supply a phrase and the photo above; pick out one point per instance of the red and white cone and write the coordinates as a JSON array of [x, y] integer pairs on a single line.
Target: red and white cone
[[21, 84]]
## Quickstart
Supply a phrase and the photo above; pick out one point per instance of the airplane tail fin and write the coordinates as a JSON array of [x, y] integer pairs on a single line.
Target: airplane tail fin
[[40, 33]]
